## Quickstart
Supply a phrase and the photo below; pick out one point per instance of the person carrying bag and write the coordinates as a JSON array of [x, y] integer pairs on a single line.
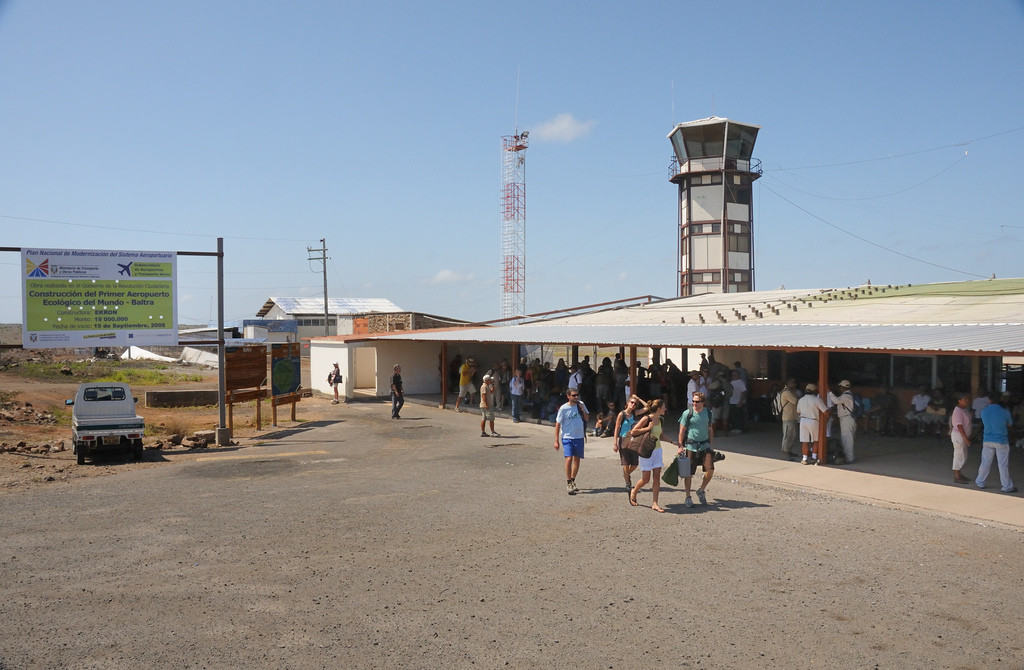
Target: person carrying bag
[[696, 430], [648, 431]]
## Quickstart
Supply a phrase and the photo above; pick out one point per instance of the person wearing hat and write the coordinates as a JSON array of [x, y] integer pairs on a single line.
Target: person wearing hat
[[995, 443], [810, 408], [697, 384], [847, 422], [334, 379], [788, 399], [487, 404], [397, 393]]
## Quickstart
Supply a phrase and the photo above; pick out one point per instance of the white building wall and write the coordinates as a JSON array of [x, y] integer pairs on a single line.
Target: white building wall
[[369, 365]]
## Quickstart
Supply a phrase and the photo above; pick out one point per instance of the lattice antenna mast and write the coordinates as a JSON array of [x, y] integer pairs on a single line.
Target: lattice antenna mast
[[513, 224]]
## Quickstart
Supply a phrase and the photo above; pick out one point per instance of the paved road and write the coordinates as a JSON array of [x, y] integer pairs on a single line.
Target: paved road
[[367, 542]]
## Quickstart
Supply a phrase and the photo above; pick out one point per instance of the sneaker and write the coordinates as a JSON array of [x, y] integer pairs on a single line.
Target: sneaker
[[493, 434], [701, 497], [483, 434], [805, 462], [569, 489], [689, 501], [572, 483], [1013, 490], [460, 410]]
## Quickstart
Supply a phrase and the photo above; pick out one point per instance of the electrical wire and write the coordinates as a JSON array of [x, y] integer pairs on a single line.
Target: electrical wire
[[904, 155], [150, 232], [876, 197], [866, 240]]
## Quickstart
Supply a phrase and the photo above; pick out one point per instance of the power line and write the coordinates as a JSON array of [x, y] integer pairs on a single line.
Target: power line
[[877, 197], [866, 240], [905, 155], [150, 232]]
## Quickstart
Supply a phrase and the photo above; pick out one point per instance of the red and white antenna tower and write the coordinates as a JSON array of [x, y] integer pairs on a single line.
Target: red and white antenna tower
[[513, 224]]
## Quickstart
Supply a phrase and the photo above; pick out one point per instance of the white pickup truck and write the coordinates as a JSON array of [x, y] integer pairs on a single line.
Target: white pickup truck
[[104, 416]]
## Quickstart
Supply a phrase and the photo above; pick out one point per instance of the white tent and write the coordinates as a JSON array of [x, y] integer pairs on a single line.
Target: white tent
[[138, 353]]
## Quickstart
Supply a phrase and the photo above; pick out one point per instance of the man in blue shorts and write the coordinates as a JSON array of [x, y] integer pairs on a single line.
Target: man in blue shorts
[[570, 431]]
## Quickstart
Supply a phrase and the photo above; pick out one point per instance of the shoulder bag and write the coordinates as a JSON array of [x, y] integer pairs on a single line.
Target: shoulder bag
[[643, 443]]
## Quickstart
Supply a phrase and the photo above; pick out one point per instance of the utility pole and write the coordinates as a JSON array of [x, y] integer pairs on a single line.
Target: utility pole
[[323, 259]]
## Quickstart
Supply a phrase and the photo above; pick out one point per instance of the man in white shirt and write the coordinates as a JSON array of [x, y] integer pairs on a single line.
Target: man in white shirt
[[847, 423], [695, 385], [919, 404], [737, 403], [810, 408]]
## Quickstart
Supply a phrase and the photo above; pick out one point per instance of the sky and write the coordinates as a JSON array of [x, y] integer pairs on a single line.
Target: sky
[[891, 140]]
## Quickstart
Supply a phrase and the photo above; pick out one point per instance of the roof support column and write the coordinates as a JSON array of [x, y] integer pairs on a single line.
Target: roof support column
[[632, 372], [444, 375], [822, 449], [975, 375]]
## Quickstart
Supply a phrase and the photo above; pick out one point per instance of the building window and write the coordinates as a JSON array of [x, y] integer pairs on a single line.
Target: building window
[[739, 243]]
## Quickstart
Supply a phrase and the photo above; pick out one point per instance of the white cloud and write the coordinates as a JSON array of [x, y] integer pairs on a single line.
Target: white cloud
[[450, 277], [563, 128]]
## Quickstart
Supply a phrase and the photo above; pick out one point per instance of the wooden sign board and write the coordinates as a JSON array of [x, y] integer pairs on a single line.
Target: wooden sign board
[[245, 367]]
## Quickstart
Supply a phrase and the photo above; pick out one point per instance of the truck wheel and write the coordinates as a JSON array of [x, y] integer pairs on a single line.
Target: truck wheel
[[80, 453], [137, 449]]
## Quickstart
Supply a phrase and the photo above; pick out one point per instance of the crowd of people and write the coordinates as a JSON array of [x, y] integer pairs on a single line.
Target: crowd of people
[[716, 397]]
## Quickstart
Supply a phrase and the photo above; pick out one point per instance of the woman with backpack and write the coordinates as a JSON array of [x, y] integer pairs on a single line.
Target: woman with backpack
[[334, 379], [623, 424]]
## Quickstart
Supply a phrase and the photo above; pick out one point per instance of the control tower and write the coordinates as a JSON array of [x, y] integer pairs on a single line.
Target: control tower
[[715, 174]]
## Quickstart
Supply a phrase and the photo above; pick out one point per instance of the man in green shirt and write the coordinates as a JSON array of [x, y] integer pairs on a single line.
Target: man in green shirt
[[696, 430]]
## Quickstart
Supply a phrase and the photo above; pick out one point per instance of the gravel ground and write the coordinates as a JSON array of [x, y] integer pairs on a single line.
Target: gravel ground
[[358, 541]]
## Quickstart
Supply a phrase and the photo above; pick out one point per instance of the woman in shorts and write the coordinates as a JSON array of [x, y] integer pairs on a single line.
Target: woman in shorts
[[623, 424], [650, 467]]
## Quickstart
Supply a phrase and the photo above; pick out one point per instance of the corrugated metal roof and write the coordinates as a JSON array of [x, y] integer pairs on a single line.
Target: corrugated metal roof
[[957, 317], [987, 301], [974, 338], [314, 306]]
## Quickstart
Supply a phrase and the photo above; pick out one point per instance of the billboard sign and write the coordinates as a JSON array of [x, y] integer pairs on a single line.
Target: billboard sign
[[98, 298]]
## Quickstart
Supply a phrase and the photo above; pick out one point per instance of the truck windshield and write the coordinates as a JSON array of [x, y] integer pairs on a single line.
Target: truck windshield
[[104, 393]]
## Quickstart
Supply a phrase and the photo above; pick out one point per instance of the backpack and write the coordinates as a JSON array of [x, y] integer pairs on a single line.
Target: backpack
[[717, 396], [688, 413], [858, 406]]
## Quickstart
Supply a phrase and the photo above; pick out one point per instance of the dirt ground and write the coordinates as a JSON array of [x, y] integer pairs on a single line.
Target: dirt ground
[[364, 542], [34, 417]]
